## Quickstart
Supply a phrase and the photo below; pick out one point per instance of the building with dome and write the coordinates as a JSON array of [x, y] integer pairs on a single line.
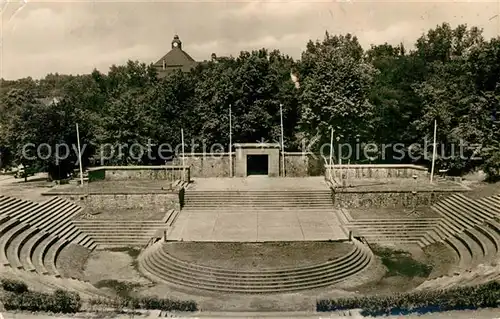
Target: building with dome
[[175, 59]]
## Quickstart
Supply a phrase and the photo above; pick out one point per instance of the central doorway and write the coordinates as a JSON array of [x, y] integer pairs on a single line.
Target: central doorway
[[257, 165]]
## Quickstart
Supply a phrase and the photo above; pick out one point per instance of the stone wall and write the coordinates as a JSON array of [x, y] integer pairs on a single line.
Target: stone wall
[[375, 171], [303, 164], [122, 173], [387, 199], [207, 164], [97, 202], [217, 165]]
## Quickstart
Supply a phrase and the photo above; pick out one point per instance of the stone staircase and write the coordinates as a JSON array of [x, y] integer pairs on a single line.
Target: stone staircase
[[124, 233], [32, 235], [156, 263], [470, 227], [258, 200], [389, 230]]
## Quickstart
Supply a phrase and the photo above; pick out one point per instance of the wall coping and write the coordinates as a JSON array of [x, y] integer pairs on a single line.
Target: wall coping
[[131, 168], [257, 145], [234, 153], [417, 167]]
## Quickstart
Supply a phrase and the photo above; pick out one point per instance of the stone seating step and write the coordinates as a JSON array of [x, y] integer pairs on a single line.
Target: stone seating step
[[51, 255], [14, 249], [462, 251], [456, 214], [473, 206], [472, 247], [40, 209], [7, 239], [193, 280], [471, 210], [468, 214], [489, 206], [50, 209], [10, 204], [482, 241], [27, 251], [52, 225], [20, 208], [448, 218], [40, 252], [493, 238]]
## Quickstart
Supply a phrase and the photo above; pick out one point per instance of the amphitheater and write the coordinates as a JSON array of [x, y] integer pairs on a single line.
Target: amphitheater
[[186, 224]]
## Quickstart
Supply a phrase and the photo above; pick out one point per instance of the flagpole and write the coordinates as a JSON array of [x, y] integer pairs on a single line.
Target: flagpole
[[183, 162], [433, 152], [331, 153], [79, 154], [230, 144], [282, 142]]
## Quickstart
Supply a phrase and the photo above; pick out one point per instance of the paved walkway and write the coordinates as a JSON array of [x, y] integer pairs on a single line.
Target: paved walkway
[[259, 183], [258, 226], [244, 224]]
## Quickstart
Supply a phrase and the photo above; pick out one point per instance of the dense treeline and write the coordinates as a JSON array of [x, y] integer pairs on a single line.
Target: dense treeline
[[386, 95]]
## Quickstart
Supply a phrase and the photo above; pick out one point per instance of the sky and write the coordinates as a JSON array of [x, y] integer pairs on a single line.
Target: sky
[[74, 37]]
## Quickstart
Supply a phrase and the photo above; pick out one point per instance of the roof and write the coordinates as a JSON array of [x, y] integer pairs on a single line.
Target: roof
[[175, 58]]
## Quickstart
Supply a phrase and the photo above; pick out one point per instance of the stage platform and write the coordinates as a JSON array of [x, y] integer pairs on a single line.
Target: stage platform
[[258, 226]]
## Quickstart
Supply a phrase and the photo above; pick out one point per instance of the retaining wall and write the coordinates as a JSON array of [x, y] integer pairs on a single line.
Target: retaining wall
[[375, 171], [121, 173], [97, 202], [388, 199]]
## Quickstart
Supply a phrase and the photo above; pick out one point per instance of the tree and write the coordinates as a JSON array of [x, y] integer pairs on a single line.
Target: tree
[[335, 88]]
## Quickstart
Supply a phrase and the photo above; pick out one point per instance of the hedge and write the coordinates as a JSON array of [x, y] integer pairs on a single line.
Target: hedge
[[462, 298], [13, 285], [149, 303], [58, 302]]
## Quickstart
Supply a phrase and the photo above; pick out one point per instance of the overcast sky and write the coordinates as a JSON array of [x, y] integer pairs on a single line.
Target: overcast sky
[[42, 37]]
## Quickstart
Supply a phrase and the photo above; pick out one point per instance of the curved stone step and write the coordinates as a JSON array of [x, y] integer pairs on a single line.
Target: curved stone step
[[7, 238], [49, 261], [202, 277], [14, 249], [465, 257], [40, 252], [492, 236], [481, 241], [27, 251]]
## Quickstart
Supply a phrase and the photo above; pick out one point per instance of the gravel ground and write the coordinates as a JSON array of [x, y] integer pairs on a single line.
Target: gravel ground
[[251, 256], [71, 261], [442, 259], [31, 190], [108, 265]]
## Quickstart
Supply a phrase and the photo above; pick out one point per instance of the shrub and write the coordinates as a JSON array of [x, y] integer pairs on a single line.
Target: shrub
[[60, 301], [149, 303], [483, 296], [15, 286], [401, 263]]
